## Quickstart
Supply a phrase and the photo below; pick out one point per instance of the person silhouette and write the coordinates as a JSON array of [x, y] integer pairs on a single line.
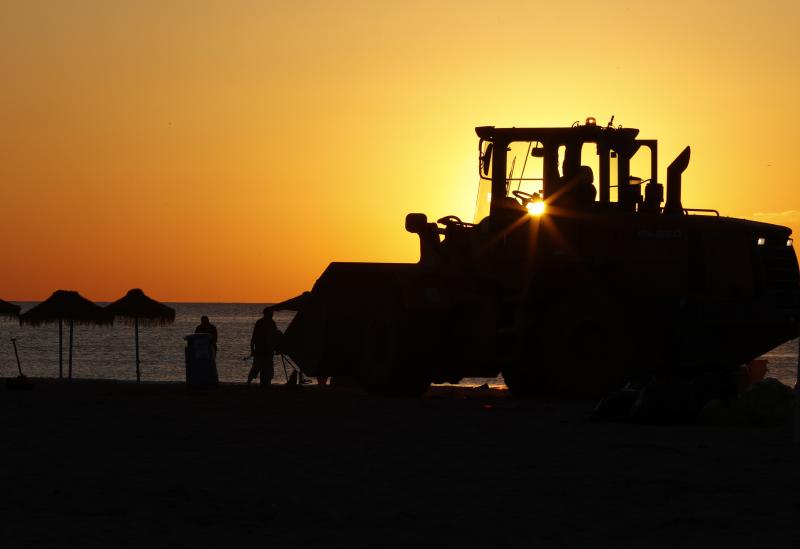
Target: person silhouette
[[263, 342], [584, 188], [577, 188], [205, 327]]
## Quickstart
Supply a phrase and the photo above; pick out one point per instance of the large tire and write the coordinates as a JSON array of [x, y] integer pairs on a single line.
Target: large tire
[[390, 365]]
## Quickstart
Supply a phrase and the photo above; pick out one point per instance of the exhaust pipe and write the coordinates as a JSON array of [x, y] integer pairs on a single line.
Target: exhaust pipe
[[678, 166]]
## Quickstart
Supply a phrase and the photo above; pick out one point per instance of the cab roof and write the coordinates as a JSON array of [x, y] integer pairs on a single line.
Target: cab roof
[[586, 133]]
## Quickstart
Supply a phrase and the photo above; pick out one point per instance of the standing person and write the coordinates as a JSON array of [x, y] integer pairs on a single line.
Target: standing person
[[205, 327], [262, 346]]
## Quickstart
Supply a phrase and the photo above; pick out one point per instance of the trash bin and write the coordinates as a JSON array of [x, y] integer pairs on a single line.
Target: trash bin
[[201, 365]]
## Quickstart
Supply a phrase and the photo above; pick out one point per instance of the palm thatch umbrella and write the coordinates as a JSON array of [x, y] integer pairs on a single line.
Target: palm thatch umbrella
[[136, 308], [65, 305], [8, 310]]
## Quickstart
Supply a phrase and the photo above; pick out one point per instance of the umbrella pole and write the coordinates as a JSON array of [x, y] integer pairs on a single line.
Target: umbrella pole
[[136, 335], [16, 354], [70, 350], [60, 349]]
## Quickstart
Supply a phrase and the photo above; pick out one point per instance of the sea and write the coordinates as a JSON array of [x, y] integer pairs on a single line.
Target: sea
[[102, 352]]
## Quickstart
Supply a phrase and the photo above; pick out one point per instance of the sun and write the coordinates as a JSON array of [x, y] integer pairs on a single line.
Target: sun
[[535, 208]]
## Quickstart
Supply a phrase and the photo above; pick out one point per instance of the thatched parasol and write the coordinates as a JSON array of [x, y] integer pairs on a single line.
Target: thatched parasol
[[136, 308], [65, 305], [8, 310]]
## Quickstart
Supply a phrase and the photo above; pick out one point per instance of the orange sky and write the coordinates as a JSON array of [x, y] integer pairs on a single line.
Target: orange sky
[[227, 151]]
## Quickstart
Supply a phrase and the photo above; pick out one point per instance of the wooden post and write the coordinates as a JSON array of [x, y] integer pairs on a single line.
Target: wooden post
[[60, 349], [70, 349], [136, 332]]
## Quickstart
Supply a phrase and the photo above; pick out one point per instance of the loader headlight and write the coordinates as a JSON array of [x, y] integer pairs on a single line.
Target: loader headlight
[[789, 242], [536, 207], [761, 241]]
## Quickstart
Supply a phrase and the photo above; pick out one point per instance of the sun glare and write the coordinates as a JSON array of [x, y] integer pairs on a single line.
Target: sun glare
[[535, 208]]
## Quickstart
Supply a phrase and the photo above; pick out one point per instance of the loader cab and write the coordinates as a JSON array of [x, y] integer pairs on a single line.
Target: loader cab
[[553, 171]]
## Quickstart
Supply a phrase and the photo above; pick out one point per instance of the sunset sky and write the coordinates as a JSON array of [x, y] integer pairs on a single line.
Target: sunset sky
[[229, 150]]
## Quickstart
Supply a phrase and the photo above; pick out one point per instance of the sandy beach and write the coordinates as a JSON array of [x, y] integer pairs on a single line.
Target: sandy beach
[[111, 464]]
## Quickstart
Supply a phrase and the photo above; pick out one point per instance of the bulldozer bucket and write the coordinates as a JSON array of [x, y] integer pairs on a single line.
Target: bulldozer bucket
[[326, 337]]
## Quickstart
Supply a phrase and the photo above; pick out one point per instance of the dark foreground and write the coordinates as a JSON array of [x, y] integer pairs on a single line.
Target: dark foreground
[[103, 464]]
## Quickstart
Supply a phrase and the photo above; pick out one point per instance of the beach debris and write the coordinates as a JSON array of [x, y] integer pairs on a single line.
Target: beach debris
[[665, 399], [708, 400]]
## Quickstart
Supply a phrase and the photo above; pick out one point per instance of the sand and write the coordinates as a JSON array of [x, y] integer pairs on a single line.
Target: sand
[[109, 464]]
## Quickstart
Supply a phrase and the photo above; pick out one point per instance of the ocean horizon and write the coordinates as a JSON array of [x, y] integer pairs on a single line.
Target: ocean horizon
[[107, 352]]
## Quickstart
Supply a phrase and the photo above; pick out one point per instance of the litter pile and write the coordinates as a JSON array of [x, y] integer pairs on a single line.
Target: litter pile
[[744, 399]]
